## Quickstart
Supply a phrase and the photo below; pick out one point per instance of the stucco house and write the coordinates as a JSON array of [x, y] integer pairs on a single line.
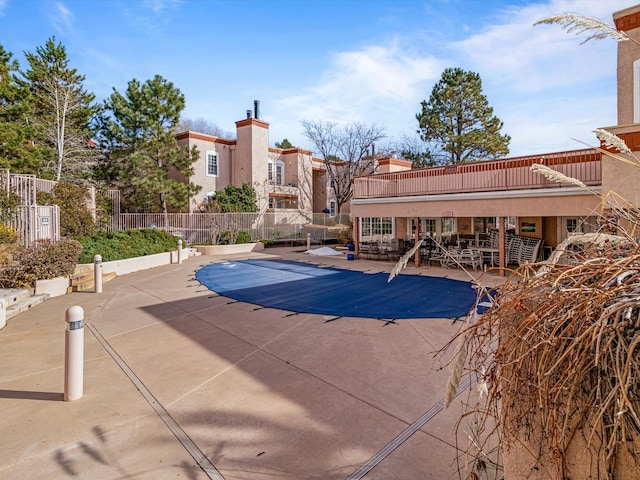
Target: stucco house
[[471, 198], [284, 180]]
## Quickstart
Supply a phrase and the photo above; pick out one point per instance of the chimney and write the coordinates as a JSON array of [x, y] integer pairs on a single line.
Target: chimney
[[256, 109], [248, 113]]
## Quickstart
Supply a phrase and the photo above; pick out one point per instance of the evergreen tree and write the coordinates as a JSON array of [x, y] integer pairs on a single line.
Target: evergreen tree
[[17, 152], [143, 157], [233, 199], [62, 111], [284, 144], [458, 122]]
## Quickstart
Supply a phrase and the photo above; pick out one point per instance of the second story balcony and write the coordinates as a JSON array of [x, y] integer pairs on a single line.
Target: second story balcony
[[289, 190], [485, 176]]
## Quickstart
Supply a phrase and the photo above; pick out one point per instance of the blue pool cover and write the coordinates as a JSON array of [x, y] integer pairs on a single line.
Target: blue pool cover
[[304, 288]]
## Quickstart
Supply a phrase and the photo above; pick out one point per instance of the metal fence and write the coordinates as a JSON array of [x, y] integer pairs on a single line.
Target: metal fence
[[31, 222], [287, 226], [35, 223]]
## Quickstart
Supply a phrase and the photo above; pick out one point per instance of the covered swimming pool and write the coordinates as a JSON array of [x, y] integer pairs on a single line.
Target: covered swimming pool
[[304, 288]]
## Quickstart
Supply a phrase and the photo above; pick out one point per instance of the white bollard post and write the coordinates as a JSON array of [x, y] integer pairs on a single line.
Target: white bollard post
[[97, 273], [308, 241], [179, 252], [3, 313], [74, 354]]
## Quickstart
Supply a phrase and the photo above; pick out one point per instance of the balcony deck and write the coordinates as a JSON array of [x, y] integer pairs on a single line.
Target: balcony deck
[[485, 176]]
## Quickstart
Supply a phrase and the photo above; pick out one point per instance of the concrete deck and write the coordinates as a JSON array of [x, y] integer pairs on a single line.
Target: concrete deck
[[250, 393]]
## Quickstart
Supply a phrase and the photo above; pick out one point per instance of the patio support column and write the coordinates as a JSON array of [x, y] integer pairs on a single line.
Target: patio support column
[[501, 244], [356, 236], [416, 256]]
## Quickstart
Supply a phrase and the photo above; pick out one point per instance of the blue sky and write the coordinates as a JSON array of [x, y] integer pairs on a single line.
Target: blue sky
[[370, 61]]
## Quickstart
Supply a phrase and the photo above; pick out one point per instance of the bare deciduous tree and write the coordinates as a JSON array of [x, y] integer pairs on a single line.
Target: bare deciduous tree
[[347, 152], [62, 110], [201, 125]]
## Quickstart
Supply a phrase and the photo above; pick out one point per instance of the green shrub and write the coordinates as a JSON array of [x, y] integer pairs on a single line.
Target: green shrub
[[75, 216], [41, 261], [7, 234], [243, 237], [128, 244]]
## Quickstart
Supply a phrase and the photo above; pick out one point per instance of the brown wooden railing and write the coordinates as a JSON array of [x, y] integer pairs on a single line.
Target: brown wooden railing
[[494, 175]]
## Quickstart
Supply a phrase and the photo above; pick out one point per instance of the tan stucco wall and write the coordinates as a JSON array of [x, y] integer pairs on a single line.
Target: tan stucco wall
[[550, 229], [401, 228], [576, 204], [618, 176], [388, 165], [628, 52], [251, 162], [304, 179], [533, 460], [319, 190], [465, 225], [537, 221], [208, 183]]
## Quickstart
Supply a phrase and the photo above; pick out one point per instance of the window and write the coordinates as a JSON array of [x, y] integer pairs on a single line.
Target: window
[[449, 224], [572, 225], [376, 229], [212, 163], [332, 208], [484, 224], [427, 226], [277, 177], [275, 203]]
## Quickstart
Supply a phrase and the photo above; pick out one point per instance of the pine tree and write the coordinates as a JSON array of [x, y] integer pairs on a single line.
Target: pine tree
[[458, 122], [17, 151], [61, 111], [144, 159]]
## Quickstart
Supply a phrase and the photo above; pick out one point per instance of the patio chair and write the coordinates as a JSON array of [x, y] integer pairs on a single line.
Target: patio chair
[[448, 257], [470, 257], [376, 252]]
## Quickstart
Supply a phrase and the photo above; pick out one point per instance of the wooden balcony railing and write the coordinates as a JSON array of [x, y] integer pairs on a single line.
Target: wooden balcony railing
[[494, 175]]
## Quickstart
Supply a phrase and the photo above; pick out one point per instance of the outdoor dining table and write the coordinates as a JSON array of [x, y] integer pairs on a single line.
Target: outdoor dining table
[[492, 252]]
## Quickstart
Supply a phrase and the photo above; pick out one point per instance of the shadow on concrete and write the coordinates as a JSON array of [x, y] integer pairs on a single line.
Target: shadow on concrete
[[79, 458], [350, 387], [27, 395]]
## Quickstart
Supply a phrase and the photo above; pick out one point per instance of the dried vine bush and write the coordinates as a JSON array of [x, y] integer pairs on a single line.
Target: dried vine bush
[[557, 355], [43, 260]]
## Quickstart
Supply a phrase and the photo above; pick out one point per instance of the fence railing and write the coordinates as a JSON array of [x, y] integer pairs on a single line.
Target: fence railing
[[281, 226], [35, 223], [496, 175], [31, 222]]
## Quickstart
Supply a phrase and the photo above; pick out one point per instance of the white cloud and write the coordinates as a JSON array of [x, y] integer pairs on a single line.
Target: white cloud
[[543, 83], [61, 18], [542, 57], [376, 84], [3, 5], [159, 5]]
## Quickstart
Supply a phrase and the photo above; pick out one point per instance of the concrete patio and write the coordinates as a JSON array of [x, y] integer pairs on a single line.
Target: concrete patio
[[180, 382]]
